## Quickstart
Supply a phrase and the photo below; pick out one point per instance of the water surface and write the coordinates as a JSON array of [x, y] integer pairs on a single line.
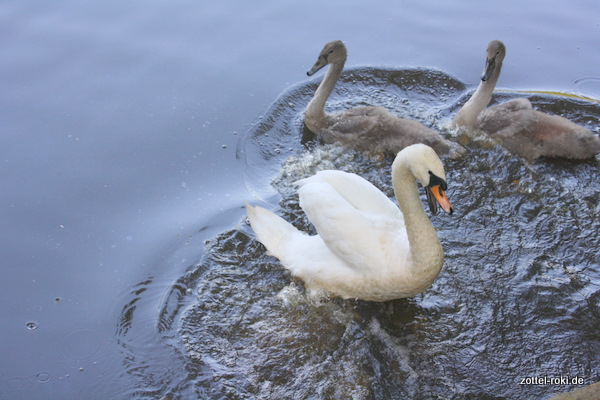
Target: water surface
[[518, 293], [131, 135]]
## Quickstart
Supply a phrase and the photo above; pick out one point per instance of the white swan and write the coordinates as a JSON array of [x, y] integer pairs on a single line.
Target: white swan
[[517, 126], [370, 128], [366, 248]]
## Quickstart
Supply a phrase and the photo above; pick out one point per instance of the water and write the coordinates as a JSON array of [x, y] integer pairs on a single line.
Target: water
[[131, 137], [517, 295]]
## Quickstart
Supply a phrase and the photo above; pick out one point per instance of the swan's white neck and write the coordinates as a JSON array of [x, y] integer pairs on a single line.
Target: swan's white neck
[[425, 247], [315, 111], [467, 116]]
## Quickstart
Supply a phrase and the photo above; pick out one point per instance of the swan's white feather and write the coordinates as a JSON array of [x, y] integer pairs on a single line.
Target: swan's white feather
[[357, 222], [365, 248]]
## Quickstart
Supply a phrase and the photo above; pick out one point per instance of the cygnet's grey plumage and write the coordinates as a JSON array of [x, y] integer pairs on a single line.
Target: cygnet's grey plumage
[[371, 128], [517, 126]]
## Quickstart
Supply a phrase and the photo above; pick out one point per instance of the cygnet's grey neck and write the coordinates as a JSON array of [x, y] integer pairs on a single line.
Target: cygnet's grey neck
[[467, 116], [315, 110]]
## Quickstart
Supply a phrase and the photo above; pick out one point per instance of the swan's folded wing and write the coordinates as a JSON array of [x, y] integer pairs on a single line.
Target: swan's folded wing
[[358, 121], [357, 222], [356, 190], [507, 118]]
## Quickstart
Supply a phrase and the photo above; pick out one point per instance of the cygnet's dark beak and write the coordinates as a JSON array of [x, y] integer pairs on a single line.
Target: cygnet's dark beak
[[321, 62], [490, 64]]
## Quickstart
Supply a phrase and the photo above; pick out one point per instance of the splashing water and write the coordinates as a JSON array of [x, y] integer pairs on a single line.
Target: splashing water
[[518, 296]]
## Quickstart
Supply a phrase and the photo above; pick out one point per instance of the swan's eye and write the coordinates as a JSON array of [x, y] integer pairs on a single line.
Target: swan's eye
[[435, 180]]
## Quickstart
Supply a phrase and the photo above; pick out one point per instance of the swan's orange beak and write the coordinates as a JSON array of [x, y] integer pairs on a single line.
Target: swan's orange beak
[[435, 196]]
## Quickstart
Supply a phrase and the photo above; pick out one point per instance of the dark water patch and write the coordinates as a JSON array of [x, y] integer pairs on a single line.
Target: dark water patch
[[518, 295]]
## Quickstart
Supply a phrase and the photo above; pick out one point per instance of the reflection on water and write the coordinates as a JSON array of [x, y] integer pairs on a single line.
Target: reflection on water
[[518, 296], [588, 84]]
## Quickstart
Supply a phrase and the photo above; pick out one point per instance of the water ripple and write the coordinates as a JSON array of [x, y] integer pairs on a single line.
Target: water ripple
[[518, 295]]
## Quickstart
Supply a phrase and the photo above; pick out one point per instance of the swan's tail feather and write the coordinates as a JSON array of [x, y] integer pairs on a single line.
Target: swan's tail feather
[[271, 230]]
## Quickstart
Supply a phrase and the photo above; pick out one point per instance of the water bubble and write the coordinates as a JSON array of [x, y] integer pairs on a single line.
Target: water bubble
[[31, 325], [43, 377]]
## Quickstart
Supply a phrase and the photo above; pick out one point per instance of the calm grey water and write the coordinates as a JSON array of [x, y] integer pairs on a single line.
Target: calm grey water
[[132, 134]]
